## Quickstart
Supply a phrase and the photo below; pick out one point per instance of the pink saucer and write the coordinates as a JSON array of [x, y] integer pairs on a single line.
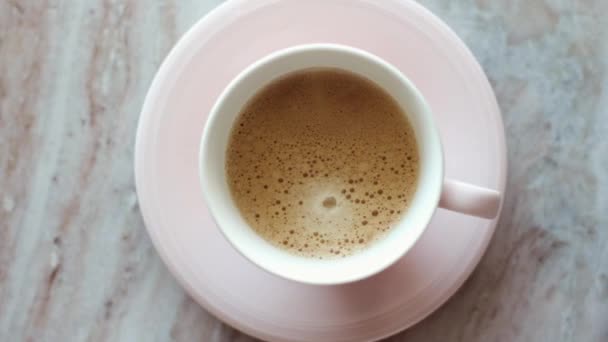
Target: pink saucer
[[217, 48]]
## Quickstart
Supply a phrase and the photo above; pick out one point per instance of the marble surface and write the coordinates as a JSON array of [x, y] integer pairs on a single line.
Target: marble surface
[[76, 263]]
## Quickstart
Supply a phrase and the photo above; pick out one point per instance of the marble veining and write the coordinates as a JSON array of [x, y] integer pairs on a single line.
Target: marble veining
[[76, 263]]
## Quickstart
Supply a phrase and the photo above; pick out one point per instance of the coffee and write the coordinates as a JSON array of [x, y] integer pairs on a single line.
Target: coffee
[[322, 163]]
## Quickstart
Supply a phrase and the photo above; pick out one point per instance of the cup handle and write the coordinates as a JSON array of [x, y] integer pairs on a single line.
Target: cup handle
[[469, 199]]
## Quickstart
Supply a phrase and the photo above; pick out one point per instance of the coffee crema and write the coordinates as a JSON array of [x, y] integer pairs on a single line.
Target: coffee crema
[[322, 163]]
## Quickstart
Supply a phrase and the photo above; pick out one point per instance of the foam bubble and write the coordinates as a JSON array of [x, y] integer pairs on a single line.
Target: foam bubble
[[329, 202]]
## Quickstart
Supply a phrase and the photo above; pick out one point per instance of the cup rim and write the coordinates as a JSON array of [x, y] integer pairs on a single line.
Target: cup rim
[[269, 58]]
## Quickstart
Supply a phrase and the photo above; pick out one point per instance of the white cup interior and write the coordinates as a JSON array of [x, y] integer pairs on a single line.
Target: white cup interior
[[214, 184]]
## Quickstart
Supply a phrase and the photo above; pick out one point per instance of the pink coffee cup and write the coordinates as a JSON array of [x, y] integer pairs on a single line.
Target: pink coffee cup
[[434, 191]]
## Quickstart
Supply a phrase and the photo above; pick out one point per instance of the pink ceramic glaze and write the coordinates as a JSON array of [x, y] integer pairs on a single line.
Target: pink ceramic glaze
[[470, 199], [212, 53]]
